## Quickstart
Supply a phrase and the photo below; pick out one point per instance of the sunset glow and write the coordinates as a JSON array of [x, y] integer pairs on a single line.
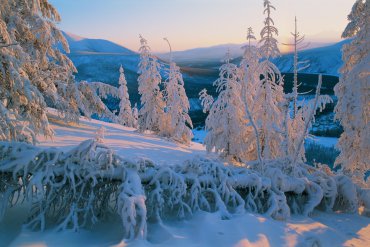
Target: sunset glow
[[194, 23]]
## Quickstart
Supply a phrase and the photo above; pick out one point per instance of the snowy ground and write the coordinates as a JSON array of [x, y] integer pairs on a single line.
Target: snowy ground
[[127, 142], [203, 229]]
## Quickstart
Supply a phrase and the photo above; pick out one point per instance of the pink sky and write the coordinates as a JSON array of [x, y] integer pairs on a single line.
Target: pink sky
[[198, 23]]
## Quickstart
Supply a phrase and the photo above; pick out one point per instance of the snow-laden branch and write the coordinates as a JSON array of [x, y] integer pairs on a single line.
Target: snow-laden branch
[[80, 187]]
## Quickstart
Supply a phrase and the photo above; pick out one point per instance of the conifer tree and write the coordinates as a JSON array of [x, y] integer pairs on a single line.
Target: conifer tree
[[297, 65], [269, 91], [135, 116], [178, 122], [294, 122], [226, 120], [353, 92], [152, 104], [35, 73], [32, 69], [249, 79], [125, 114]]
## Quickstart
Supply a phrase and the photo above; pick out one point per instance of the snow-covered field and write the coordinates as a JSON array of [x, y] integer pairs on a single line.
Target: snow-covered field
[[127, 142], [203, 229]]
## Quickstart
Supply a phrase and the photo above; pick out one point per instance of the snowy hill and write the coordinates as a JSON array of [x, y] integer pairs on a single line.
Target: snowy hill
[[82, 45], [202, 229]]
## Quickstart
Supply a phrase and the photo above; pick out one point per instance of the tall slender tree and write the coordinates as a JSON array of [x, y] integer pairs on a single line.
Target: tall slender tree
[[353, 92], [152, 103], [125, 113], [269, 94], [178, 122], [297, 44], [249, 79]]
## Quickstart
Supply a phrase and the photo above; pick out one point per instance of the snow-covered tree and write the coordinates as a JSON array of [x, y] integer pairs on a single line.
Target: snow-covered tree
[[297, 65], [125, 113], [177, 124], [135, 116], [269, 48], [353, 92], [32, 69], [152, 103], [206, 100], [297, 128], [249, 79], [226, 123], [89, 97], [295, 121], [35, 73], [269, 99]]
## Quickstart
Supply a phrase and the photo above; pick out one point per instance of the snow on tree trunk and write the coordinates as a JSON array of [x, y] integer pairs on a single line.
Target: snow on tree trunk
[[353, 92]]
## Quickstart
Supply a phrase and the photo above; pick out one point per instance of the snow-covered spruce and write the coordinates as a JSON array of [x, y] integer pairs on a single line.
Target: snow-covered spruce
[[176, 123], [125, 116], [35, 73], [269, 98], [78, 188], [225, 124], [249, 73], [353, 92], [152, 103]]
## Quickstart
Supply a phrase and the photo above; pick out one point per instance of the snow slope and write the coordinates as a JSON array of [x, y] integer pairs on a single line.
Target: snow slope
[[127, 142], [203, 229]]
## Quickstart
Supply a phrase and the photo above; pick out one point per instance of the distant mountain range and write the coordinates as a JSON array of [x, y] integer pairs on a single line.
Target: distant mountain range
[[80, 45], [325, 60], [217, 52]]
